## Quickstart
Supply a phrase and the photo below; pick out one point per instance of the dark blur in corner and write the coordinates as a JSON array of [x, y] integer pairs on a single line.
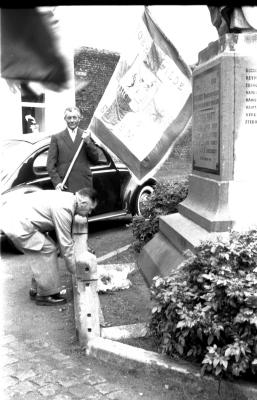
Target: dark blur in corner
[[29, 50]]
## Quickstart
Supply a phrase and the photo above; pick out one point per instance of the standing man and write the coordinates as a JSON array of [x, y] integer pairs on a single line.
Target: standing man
[[27, 226], [63, 147]]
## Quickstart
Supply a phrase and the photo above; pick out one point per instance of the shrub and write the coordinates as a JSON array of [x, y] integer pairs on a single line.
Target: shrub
[[143, 230], [164, 200], [206, 311]]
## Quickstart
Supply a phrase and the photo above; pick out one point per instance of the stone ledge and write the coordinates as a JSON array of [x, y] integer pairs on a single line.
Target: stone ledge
[[182, 375], [124, 331]]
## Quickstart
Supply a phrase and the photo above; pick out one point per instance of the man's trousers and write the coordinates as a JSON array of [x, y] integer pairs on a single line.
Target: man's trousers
[[44, 267], [42, 261]]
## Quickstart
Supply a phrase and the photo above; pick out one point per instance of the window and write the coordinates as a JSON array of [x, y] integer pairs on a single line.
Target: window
[[39, 165], [102, 159], [33, 110]]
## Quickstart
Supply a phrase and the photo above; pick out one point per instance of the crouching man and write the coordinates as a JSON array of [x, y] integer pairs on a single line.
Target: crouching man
[[27, 220]]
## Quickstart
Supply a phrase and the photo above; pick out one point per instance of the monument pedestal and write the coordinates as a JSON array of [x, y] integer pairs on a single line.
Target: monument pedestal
[[222, 187]]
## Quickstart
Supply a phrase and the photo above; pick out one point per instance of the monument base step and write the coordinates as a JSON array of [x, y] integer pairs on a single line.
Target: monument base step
[[164, 253]]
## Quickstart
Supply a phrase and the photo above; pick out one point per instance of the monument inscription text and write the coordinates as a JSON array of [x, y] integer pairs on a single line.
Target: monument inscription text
[[206, 121], [250, 96]]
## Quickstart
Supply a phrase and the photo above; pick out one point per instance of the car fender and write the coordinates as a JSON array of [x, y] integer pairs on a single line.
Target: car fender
[[20, 189], [131, 191]]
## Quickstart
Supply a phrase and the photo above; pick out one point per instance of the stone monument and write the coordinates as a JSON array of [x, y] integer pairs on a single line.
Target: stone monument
[[223, 185]]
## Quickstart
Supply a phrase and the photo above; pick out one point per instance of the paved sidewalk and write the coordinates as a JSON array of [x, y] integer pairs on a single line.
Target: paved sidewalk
[[40, 357]]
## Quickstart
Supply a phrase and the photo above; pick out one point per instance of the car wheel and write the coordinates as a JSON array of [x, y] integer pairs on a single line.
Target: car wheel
[[141, 197]]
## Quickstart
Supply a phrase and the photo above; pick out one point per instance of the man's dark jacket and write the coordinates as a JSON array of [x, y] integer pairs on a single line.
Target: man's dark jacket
[[60, 155]]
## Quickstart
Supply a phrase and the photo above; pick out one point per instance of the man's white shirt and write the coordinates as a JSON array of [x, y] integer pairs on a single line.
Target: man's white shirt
[[72, 133]]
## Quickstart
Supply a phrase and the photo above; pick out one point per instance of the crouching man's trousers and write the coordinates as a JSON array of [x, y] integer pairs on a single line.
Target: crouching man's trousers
[[43, 261]]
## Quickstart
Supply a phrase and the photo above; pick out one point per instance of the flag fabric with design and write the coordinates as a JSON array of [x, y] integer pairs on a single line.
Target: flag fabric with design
[[147, 103]]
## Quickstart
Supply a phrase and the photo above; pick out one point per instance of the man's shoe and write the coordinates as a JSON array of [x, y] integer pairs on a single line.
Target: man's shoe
[[32, 294], [53, 300]]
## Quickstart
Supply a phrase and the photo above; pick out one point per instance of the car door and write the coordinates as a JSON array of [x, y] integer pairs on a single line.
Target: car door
[[106, 181], [39, 174]]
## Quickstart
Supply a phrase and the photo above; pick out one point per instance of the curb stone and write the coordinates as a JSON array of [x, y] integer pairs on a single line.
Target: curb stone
[[124, 331], [182, 376]]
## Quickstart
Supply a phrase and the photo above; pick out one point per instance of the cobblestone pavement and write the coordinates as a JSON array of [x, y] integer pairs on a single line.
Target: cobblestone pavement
[[34, 370], [40, 357]]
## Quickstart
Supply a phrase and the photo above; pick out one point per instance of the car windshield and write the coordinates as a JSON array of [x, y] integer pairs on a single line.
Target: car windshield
[[13, 153]]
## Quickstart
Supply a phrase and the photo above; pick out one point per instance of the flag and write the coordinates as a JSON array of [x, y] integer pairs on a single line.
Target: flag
[[28, 49], [147, 103]]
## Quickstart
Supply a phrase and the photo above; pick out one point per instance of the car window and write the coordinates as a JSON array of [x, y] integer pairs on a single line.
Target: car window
[[39, 164], [102, 159]]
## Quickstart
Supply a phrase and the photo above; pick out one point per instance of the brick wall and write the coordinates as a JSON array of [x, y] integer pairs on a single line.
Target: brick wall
[[93, 70]]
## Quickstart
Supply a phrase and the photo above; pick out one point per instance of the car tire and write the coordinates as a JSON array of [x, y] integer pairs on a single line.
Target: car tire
[[142, 194]]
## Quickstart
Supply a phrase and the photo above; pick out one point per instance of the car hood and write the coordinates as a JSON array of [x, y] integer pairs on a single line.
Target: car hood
[[13, 153]]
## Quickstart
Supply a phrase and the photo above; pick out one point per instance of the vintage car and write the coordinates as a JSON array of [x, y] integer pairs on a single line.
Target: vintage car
[[23, 169]]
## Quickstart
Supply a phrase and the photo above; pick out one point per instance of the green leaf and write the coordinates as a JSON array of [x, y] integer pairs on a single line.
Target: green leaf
[[210, 339], [216, 362], [218, 370], [181, 324], [203, 369], [207, 360], [180, 349], [199, 333], [227, 352]]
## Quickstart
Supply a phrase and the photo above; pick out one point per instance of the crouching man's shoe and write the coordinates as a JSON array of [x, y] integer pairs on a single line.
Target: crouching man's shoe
[[32, 294], [53, 300]]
